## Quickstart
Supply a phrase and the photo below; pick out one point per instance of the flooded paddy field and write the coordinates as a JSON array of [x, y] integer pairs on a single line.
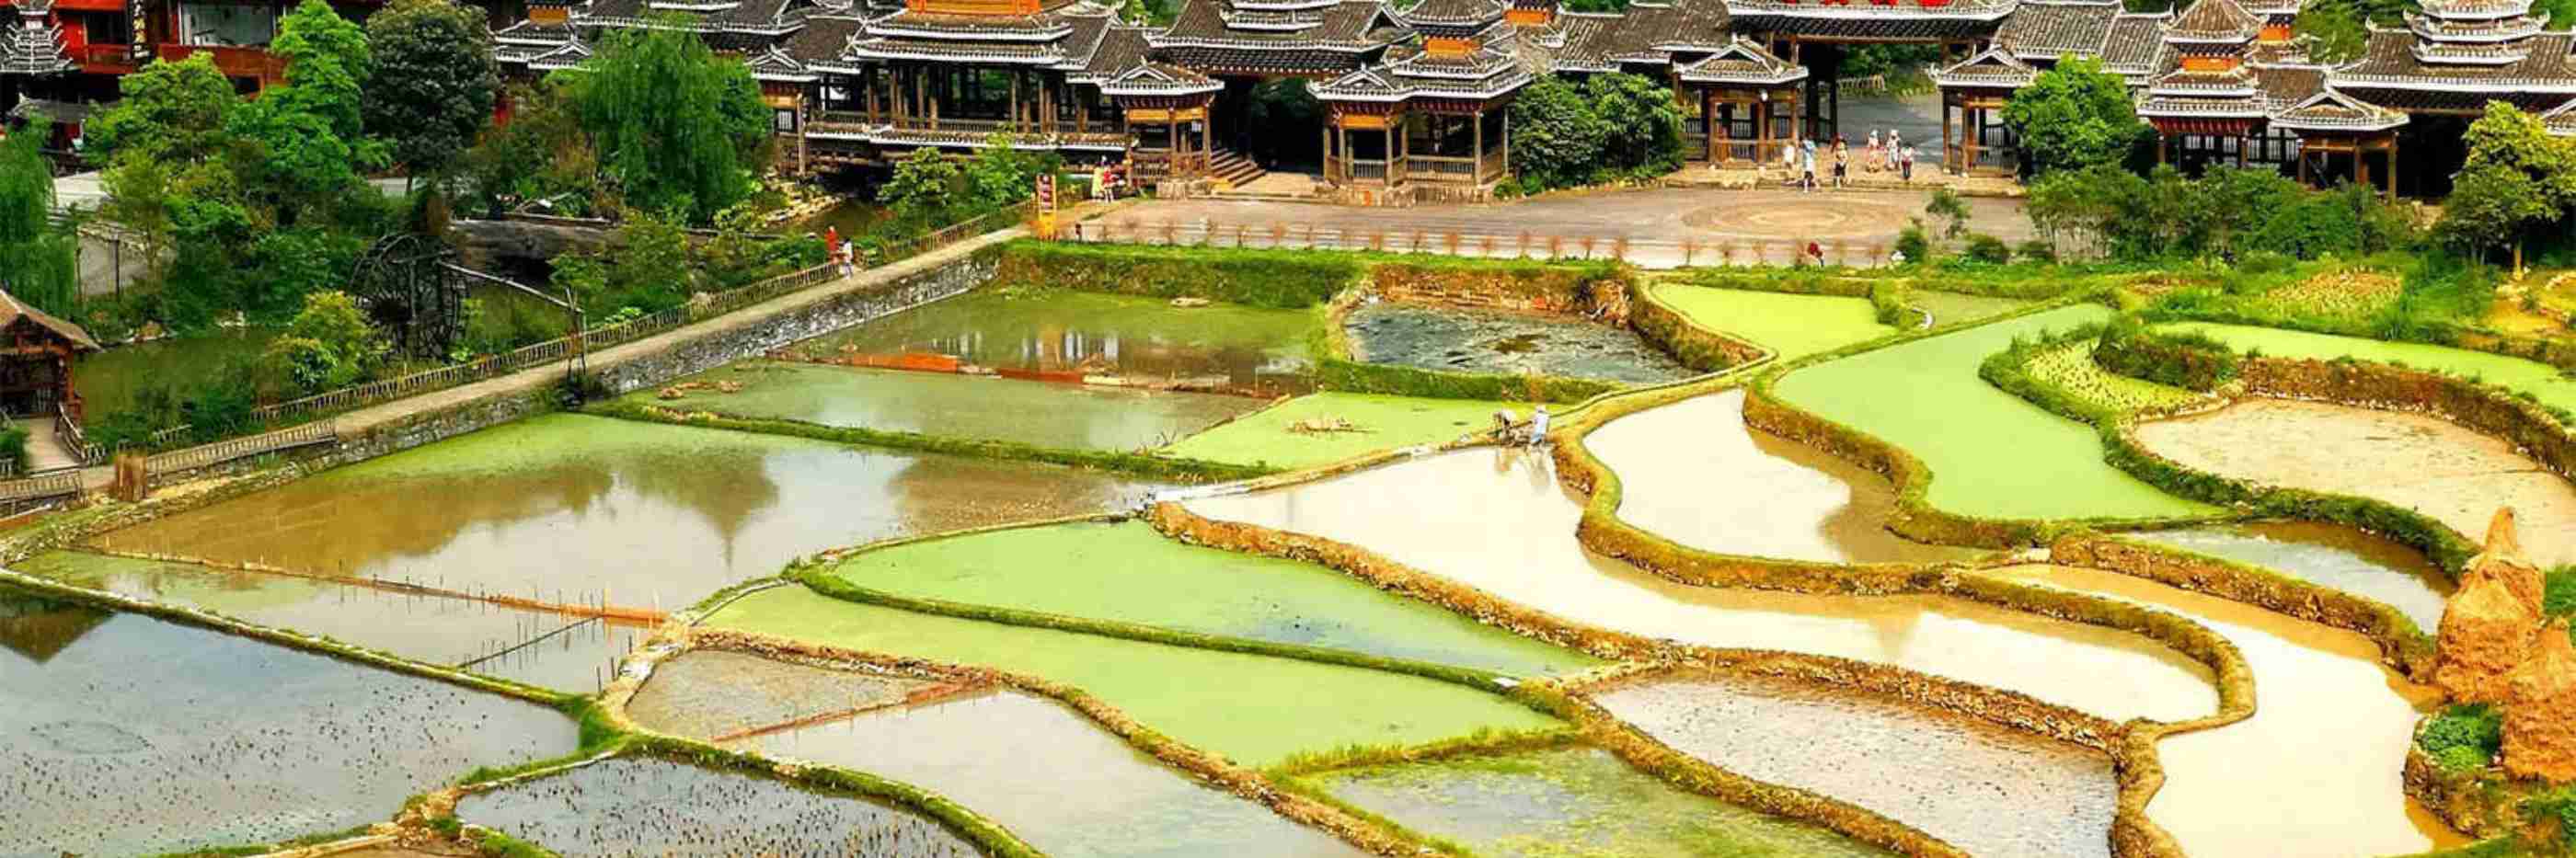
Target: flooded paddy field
[[1991, 453], [1376, 422], [1051, 776], [1791, 326], [579, 509], [1127, 572], [1459, 339], [706, 694], [1498, 520], [1122, 335], [125, 734], [1990, 790], [1046, 414], [2339, 557], [536, 647], [1255, 709], [2540, 380], [1572, 801], [2420, 462], [644, 806], [2319, 764], [1950, 308], [1694, 473]]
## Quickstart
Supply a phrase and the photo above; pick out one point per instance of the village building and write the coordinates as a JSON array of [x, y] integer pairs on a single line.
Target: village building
[[1414, 101]]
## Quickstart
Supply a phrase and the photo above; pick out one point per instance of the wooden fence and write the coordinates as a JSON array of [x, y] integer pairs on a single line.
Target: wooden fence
[[217, 453], [1643, 252], [54, 483]]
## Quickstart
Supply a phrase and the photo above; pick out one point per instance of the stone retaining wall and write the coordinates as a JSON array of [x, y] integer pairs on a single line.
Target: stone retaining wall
[[717, 348]]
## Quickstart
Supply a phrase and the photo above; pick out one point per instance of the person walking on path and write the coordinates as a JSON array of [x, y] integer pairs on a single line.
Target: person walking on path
[[1905, 163], [1807, 166], [1842, 161]]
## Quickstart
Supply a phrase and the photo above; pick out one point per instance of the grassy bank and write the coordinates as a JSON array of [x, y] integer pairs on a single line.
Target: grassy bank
[[1792, 325], [1138, 464], [1263, 441]]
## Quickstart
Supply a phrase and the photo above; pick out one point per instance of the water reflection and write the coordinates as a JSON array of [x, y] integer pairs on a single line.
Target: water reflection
[[582, 509], [1046, 414], [1103, 334], [539, 648], [38, 627], [2338, 557], [1494, 341]]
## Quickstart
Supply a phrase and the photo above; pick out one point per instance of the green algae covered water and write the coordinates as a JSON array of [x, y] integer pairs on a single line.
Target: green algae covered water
[[1576, 801], [570, 508], [1068, 787], [123, 734], [1129, 573], [1122, 335]]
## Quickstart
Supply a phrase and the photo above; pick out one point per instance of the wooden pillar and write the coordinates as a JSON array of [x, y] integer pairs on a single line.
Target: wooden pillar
[[1344, 131], [1326, 129], [1207, 134], [1949, 148], [1478, 169], [1507, 141], [2392, 167]]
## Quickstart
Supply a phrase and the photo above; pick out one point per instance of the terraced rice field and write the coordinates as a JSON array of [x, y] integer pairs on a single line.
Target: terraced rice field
[[1991, 454], [1046, 414], [133, 735], [631, 806], [1257, 710], [1793, 326], [2342, 558], [1571, 801], [1122, 335], [1273, 437], [2540, 380], [1128, 573]]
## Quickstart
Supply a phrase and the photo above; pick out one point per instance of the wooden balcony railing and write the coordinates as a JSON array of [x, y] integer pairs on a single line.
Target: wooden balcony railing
[[233, 61]]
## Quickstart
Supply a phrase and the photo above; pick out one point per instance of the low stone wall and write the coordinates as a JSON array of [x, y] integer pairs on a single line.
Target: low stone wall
[[842, 310], [2531, 427], [1526, 287]]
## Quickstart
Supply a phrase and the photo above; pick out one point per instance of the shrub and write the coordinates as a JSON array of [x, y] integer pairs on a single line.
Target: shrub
[[2188, 361], [1988, 249], [2561, 601], [2465, 736], [13, 447], [1887, 298], [2037, 250], [330, 344], [1914, 241], [1282, 279]]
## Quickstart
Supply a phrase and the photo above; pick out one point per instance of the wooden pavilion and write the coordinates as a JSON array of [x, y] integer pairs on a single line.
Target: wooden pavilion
[[36, 365]]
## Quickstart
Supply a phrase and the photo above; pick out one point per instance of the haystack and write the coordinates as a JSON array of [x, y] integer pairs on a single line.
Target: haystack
[[2540, 717], [2493, 621]]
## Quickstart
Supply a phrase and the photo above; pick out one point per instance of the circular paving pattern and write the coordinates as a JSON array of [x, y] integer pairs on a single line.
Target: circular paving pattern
[[1816, 216]]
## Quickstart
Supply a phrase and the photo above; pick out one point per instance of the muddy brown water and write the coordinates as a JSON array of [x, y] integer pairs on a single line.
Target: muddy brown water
[[1050, 776], [706, 694], [1693, 472], [122, 734], [2316, 770], [1987, 789], [2440, 469], [570, 508], [1496, 519], [1459, 339], [536, 647], [644, 806], [2339, 557], [1060, 329]]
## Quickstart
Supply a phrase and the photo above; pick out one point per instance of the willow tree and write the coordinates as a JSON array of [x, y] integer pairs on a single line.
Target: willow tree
[[38, 262], [679, 129]]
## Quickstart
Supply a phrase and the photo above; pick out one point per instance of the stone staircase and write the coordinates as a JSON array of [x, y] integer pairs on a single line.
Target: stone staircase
[[1230, 169]]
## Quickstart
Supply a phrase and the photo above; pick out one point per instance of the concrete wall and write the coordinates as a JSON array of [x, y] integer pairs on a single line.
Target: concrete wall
[[844, 310]]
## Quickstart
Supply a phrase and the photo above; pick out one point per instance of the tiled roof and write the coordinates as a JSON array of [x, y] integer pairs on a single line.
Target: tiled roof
[[60, 112], [774, 64], [2561, 120], [908, 24], [2464, 9], [11, 312], [2135, 45], [1993, 68], [1743, 62], [1152, 78], [2284, 85], [2475, 29], [2233, 83], [2328, 110], [1484, 73], [30, 45], [2049, 29], [1582, 42], [1872, 19], [2214, 22], [2390, 62], [1451, 17], [758, 17], [2273, 10], [1121, 48], [1011, 52], [533, 33], [1352, 26], [824, 42]]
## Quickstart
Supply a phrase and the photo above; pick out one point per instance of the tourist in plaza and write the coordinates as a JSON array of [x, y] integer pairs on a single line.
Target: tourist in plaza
[[1789, 162], [1905, 163], [1842, 161], [1875, 158], [1807, 166]]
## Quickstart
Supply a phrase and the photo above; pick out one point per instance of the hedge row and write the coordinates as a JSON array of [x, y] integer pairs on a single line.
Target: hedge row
[[1696, 347], [2186, 360], [1120, 461], [1283, 279]]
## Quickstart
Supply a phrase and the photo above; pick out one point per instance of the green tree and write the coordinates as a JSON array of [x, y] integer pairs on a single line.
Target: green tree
[[330, 344], [328, 62], [1001, 175], [1556, 137], [678, 128], [1642, 123], [2072, 117], [923, 189], [1951, 209], [2517, 182], [168, 112], [2335, 30], [39, 263], [434, 83]]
